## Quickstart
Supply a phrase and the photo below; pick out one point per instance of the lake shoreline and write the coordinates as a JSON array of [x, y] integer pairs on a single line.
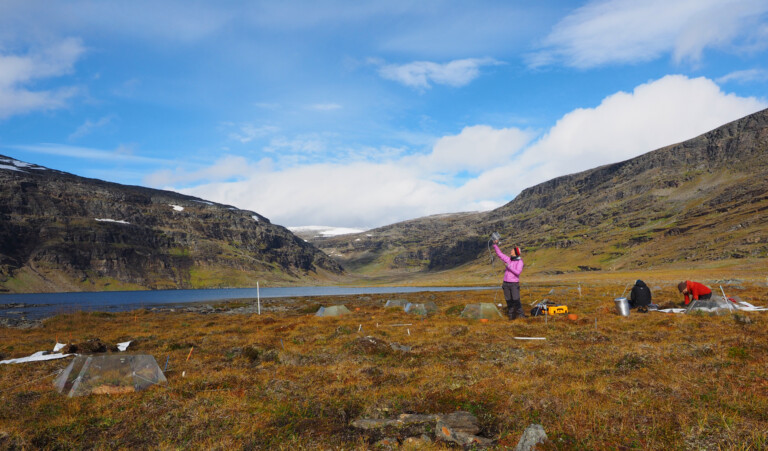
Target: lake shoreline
[[38, 306], [23, 316]]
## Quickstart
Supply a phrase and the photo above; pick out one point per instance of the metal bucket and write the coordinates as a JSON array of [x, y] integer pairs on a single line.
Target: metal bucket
[[622, 306]]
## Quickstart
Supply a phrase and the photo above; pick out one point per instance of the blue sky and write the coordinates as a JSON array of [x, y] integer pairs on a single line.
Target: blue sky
[[364, 113]]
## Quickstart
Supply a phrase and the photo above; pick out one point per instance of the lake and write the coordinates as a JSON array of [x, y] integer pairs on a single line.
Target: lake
[[41, 305]]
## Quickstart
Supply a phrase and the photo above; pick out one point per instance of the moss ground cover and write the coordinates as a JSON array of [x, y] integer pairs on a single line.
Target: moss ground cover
[[286, 379]]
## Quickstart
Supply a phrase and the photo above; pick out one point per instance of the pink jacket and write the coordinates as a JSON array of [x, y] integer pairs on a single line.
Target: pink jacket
[[514, 267]]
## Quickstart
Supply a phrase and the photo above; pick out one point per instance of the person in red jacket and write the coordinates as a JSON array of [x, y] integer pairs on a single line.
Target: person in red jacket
[[694, 290]]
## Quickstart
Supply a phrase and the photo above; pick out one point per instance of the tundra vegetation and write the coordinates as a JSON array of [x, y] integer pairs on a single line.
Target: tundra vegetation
[[286, 379]]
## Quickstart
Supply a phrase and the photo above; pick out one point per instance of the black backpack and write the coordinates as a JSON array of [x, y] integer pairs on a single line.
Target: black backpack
[[640, 296]]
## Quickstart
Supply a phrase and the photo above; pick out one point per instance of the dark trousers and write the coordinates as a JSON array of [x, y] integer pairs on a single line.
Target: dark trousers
[[512, 294]]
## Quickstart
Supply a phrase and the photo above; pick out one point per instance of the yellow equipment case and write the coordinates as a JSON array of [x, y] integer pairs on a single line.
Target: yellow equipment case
[[556, 309]]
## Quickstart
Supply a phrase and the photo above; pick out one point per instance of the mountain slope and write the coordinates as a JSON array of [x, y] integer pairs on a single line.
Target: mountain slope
[[692, 203], [61, 232]]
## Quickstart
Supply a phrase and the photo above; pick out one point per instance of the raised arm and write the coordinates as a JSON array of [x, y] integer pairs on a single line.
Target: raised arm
[[501, 255]]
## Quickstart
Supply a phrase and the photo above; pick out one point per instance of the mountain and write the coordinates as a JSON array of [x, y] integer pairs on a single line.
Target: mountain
[[698, 203], [61, 232]]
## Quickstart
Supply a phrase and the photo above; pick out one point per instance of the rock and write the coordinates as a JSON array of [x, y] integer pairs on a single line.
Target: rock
[[461, 422], [457, 427], [463, 439], [406, 425], [532, 436], [386, 443], [417, 442], [460, 428], [399, 347]]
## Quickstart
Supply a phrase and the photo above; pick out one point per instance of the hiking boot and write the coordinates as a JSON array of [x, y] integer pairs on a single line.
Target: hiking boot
[[512, 313], [520, 313]]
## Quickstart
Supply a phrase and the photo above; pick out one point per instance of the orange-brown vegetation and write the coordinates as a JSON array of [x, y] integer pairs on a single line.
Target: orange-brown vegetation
[[286, 379]]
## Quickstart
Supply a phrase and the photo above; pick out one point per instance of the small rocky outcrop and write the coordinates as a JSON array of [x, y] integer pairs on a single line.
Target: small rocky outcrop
[[460, 428]]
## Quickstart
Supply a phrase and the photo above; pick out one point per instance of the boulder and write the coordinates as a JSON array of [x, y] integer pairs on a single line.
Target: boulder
[[532, 436]]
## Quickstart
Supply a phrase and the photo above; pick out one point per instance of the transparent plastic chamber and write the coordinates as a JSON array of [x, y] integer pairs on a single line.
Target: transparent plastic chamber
[[109, 374]]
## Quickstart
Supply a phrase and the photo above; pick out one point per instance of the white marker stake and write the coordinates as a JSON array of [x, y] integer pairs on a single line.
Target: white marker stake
[[409, 332], [530, 338], [258, 298]]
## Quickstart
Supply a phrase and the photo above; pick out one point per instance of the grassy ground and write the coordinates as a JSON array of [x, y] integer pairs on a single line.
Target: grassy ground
[[286, 379]]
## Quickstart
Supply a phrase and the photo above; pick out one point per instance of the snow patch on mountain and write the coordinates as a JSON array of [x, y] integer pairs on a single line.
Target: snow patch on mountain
[[112, 220], [323, 231]]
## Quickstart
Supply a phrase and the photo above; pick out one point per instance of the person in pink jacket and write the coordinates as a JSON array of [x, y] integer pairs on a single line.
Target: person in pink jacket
[[511, 284]]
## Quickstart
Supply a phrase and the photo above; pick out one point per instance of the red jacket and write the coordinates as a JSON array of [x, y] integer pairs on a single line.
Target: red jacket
[[695, 289]]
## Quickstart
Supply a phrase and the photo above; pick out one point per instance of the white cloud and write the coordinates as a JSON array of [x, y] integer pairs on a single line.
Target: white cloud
[[246, 133], [16, 72], [120, 154], [355, 195], [628, 31], [224, 169], [421, 74], [373, 193], [89, 126], [624, 125], [475, 148], [745, 76]]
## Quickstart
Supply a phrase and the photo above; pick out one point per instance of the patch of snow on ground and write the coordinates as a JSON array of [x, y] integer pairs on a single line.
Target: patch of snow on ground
[[203, 202], [112, 220], [10, 168], [14, 165], [255, 218], [21, 164], [177, 207], [324, 231]]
